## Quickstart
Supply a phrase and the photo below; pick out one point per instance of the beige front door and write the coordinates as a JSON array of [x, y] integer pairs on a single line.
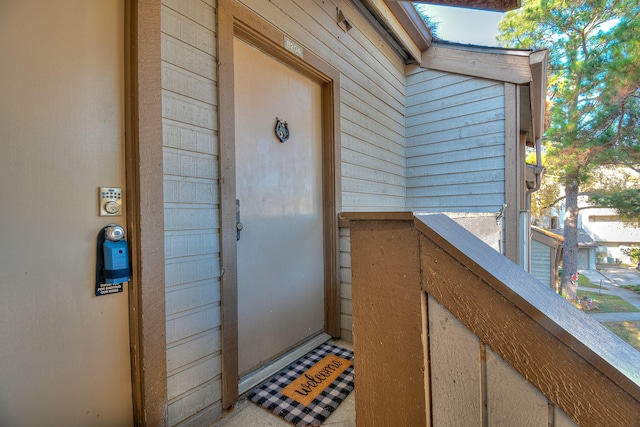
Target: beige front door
[[279, 188], [64, 353]]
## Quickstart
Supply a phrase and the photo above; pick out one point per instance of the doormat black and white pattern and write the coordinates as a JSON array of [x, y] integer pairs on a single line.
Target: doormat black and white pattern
[[303, 380]]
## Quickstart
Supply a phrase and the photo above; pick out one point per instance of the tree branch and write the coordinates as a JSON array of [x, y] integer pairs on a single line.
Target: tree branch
[[594, 207], [554, 202]]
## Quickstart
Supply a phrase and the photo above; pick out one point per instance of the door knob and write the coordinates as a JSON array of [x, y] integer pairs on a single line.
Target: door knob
[[239, 225]]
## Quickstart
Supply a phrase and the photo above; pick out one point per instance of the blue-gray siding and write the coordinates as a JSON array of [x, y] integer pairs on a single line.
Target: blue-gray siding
[[541, 262], [455, 143]]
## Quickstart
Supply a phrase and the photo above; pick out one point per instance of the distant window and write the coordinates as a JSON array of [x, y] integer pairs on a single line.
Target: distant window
[[604, 218]]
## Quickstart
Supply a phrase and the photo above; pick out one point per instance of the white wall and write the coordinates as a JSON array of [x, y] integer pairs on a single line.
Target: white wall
[[64, 353], [608, 231]]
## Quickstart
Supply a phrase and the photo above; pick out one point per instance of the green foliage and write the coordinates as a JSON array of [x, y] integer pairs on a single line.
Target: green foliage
[[609, 303], [633, 253], [593, 91], [431, 23], [633, 288], [628, 330], [584, 282], [594, 79], [626, 202]]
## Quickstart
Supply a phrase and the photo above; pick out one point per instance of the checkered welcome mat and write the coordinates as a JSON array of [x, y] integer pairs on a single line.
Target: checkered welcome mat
[[306, 392]]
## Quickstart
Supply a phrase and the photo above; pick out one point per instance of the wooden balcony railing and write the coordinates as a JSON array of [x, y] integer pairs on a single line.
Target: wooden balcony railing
[[448, 332]]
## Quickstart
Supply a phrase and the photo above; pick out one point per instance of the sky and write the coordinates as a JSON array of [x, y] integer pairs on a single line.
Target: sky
[[469, 26]]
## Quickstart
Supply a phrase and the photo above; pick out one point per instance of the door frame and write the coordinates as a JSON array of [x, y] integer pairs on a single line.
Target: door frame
[[236, 20], [145, 214]]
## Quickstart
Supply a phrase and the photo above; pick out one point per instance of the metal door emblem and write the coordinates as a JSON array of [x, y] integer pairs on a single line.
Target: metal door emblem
[[282, 130], [239, 225]]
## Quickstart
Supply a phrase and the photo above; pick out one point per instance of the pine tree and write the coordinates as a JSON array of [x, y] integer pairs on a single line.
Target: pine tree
[[593, 92]]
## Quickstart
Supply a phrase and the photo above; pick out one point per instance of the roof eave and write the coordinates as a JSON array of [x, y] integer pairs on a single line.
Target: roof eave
[[493, 63], [403, 22], [492, 5], [413, 24]]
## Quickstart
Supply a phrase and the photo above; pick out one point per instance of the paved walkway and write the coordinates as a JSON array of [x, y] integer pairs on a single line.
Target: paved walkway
[[611, 278]]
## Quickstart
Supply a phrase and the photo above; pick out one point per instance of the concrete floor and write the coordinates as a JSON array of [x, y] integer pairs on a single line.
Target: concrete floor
[[247, 414]]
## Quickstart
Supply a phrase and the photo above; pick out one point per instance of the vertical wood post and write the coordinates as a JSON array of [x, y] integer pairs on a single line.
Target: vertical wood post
[[387, 324], [145, 215]]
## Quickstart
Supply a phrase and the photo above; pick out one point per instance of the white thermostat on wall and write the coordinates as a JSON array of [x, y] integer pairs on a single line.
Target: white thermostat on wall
[[110, 201]]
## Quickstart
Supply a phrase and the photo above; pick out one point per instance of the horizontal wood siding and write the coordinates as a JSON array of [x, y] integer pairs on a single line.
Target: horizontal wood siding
[[372, 91], [372, 94], [191, 203], [541, 262], [455, 143]]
